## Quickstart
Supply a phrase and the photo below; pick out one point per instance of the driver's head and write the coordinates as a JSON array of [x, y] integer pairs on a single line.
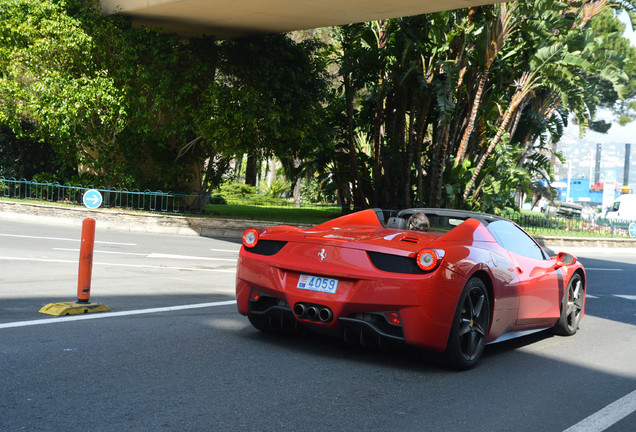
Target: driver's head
[[419, 222]]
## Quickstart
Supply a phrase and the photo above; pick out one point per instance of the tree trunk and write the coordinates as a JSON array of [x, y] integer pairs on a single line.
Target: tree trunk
[[498, 33], [251, 170], [420, 129], [435, 194], [461, 151], [410, 154], [298, 186], [491, 147], [378, 133], [525, 85], [353, 154]]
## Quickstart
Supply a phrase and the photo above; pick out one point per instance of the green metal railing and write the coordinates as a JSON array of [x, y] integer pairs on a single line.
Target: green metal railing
[[154, 201], [571, 227]]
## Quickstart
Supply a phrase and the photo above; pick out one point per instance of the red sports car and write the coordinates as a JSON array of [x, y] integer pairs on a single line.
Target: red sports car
[[470, 279]]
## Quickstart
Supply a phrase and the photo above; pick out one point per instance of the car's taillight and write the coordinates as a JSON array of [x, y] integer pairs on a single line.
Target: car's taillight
[[255, 295], [393, 318], [250, 238], [429, 259]]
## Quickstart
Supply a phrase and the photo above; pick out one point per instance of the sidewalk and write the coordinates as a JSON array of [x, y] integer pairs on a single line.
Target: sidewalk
[[118, 220]]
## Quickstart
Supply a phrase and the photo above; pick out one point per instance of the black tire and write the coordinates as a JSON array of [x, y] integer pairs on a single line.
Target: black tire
[[571, 307], [471, 322]]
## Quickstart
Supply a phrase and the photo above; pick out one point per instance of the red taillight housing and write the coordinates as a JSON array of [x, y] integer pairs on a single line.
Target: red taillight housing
[[429, 259], [393, 318], [250, 237], [255, 295]]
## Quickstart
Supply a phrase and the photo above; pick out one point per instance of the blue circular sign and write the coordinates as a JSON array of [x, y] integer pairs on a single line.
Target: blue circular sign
[[92, 198], [632, 229]]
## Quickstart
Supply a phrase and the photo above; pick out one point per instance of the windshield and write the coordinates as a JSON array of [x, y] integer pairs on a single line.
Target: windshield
[[615, 206]]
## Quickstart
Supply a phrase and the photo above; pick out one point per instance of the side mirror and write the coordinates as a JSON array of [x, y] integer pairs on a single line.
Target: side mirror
[[564, 259]]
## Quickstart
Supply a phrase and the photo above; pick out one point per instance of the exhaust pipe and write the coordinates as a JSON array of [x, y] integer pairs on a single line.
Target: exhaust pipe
[[325, 315], [312, 312], [300, 310]]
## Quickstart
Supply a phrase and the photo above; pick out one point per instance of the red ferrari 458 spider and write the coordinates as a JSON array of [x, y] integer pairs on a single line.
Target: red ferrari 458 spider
[[469, 280]]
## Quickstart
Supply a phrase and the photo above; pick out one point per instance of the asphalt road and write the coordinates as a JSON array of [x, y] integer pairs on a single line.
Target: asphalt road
[[151, 365]]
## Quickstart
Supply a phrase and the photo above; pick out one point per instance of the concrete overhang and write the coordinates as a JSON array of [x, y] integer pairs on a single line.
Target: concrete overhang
[[236, 18]]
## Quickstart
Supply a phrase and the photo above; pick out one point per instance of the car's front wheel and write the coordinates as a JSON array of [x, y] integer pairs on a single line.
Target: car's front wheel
[[571, 307], [467, 337]]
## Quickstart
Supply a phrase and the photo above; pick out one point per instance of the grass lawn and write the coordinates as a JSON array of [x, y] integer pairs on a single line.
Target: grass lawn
[[309, 216]]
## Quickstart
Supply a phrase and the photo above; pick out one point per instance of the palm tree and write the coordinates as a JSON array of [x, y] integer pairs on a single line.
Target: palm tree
[[500, 29], [524, 86]]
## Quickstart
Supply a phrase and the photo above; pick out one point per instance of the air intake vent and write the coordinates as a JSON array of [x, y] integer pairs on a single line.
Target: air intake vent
[[394, 263], [267, 247], [410, 239]]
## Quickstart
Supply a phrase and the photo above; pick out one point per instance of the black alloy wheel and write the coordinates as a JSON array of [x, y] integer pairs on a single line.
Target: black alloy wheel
[[468, 334], [571, 307]]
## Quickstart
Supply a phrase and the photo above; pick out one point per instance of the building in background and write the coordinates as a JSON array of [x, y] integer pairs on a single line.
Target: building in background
[[594, 181]]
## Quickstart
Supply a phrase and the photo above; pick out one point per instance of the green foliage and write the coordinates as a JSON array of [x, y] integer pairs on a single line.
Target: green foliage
[[49, 79], [240, 193], [232, 190], [276, 213], [276, 189], [409, 85], [266, 100], [316, 190], [24, 157], [370, 114]]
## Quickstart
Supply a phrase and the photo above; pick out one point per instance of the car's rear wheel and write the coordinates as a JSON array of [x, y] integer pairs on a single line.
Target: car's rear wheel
[[467, 338], [571, 307]]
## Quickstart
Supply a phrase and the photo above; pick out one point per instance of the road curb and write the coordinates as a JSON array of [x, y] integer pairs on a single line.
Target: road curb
[[119, 220]]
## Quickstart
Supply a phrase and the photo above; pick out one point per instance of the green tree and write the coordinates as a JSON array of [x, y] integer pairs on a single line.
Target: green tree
[[266, 100], [442, 101], [24, 157], [48, 79]]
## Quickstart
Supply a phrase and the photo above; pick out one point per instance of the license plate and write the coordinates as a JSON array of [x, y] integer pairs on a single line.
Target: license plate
[[317, 283]]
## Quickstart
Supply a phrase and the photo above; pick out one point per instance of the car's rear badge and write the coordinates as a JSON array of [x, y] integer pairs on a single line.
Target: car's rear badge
[[322, 255]]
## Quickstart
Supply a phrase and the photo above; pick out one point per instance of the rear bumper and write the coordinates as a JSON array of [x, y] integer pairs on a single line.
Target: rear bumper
[[425, 303], [367, 329]]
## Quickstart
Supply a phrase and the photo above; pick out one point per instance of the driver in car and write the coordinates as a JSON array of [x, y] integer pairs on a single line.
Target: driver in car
[[418, 222]]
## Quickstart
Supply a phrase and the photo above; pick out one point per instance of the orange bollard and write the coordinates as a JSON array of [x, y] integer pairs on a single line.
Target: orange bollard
[[86, 261], [82, 305]]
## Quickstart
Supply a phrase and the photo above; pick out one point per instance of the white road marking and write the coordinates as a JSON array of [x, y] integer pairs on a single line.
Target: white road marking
[[3, 258], [64, 239], [114, 314], [155, 255], [608, 416], [225, 250], [186, 257], [104, 252], [628, 297], [601, 269], [590, 296]]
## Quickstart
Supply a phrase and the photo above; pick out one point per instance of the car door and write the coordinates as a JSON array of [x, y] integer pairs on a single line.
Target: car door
[[537, 279]]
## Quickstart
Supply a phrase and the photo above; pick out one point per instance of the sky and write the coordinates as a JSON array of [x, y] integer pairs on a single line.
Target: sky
[[629, 33]]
